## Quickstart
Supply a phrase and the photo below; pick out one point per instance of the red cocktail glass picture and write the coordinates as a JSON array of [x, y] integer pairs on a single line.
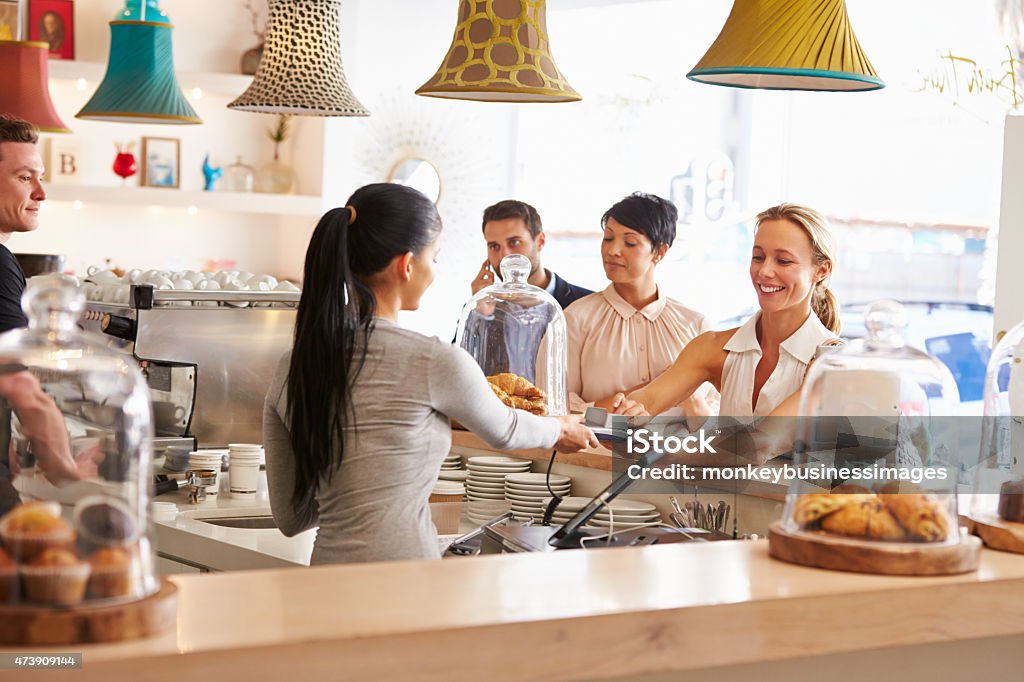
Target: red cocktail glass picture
[[124, 163]]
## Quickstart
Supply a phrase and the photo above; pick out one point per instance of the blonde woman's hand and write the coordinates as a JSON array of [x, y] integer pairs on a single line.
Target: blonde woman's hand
[[621, 404], [573, 435]]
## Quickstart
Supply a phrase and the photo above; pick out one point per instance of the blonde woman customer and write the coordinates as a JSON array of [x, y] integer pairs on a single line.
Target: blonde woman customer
[[760, 366]]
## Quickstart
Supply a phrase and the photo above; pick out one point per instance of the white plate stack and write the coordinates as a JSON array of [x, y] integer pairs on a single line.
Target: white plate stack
[[452, 462], [480, 512], [527, 492], [486, 480], [627, 513]]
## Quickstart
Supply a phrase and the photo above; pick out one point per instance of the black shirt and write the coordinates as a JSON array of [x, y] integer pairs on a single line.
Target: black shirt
[[12, 286]]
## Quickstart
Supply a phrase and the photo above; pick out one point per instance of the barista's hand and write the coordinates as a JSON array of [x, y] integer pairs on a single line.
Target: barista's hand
[[574, 435], [623, 405], [43, 424], [484, 278]]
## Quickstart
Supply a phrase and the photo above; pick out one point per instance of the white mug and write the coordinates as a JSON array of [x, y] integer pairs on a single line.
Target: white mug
[[269, 280]]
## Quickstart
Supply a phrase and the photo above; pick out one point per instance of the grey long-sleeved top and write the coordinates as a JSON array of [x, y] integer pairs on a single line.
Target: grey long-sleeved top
[[376, 505]]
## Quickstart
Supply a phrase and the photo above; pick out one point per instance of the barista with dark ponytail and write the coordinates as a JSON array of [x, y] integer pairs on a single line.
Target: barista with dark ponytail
[[356, 423]]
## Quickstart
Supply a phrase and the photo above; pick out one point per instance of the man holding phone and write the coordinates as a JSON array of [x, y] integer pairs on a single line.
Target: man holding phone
[[512, 226]]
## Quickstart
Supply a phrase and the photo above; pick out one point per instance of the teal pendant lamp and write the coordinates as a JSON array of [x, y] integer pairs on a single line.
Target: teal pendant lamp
[[140, 85]]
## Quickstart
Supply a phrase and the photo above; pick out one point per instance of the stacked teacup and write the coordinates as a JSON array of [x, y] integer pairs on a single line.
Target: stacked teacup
[[207, 460], [244, 461]]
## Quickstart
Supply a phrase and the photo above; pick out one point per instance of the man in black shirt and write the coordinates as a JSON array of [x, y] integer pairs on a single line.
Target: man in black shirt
[[21, 193]]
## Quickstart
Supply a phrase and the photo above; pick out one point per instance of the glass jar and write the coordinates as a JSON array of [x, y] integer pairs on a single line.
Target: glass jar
[[874, 457], [998, 483], [80, 427], [516, 333], [238, 177]]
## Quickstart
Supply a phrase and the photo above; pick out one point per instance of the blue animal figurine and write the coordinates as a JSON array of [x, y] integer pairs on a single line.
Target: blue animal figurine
[[211, 174]]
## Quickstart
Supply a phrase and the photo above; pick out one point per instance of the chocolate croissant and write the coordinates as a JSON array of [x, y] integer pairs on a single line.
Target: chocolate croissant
[[513, 384]]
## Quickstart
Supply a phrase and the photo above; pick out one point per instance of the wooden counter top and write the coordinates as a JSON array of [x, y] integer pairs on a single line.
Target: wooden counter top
[[561, 616]]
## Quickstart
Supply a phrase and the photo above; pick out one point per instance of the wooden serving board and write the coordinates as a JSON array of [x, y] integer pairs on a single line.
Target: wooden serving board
[[860, 556], [23, 625], [998, 534]]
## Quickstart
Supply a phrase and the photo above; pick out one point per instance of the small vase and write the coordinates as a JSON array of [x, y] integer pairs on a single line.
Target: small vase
[[275, 178], [251, 60], [238, 177]]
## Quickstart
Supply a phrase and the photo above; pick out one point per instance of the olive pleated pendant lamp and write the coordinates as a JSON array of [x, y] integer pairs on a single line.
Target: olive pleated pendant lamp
[[787, 45], [140, 85], [500, 53], [300, 71]]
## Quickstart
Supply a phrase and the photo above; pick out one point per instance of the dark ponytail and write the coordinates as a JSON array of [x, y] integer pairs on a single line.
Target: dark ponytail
[[335, 319]]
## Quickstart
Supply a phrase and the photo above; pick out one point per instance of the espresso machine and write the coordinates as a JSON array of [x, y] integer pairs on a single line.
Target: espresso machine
[[208, 357]]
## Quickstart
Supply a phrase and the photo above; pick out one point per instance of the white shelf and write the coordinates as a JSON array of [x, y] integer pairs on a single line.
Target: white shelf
[[234, 202], [232, 84]]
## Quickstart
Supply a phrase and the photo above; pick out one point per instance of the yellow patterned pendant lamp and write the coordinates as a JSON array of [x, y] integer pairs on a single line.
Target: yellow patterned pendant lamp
[[787, 45], [500, 53]]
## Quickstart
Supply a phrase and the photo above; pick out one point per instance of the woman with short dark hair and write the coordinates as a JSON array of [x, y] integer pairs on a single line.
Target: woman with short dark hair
[[356, 422], [623, 337]]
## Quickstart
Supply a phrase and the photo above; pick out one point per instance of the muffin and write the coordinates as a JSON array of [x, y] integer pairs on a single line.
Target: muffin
[[29, 529], [8, 577], [111, 573], [55, 577], [103, 521]]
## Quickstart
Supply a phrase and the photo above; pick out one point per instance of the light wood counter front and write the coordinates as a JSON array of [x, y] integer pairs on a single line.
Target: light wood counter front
[[576, 615]]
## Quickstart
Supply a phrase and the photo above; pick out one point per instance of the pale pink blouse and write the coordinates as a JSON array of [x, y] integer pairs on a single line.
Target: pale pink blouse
[[613, 346]]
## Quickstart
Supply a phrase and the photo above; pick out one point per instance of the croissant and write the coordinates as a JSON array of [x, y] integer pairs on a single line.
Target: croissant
[[502, 396], [812, 507], [864, 518], [513, 384], [919, 514]]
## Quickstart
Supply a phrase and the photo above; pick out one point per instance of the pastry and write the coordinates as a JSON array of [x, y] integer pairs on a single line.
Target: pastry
[[812, 507], [1011, 501], [519, 402], [922, 516], [866, 518], [111, 573], [28, 529], [513, 384], [8, 577], [56, 577]]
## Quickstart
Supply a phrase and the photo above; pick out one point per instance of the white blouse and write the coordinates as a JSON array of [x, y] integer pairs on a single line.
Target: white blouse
[[795, 354], [613, 346]]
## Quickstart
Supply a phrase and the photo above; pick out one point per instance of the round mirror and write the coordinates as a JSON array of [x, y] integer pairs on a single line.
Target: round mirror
[[418, 174]]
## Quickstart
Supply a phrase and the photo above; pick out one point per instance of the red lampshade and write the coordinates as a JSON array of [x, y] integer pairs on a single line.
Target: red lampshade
[[25, 87]]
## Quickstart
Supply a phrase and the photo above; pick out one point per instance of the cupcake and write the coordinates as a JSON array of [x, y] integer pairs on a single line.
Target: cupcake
[[55, 577], [29, 529], [111, 573], [8, 577]]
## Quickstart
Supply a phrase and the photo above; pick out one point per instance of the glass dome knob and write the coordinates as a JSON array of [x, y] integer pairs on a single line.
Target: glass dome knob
[[515, 269], [885, 322], [53, 303]]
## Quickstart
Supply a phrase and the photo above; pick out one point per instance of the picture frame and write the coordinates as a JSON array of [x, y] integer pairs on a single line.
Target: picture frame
[[10, 20], [161, 162], [53, 22], [62, 160]]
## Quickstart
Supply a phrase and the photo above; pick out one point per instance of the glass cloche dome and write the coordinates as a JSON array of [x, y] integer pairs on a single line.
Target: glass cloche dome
[[876, 441], [516, 333], [78, 418], [999, 475]]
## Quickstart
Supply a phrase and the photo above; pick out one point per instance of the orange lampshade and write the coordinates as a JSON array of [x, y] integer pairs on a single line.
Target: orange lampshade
[[24, 85]]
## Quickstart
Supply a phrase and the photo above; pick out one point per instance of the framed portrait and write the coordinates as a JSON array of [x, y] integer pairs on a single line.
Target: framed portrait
[[53, 21], [9, 20], [161, 162]]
